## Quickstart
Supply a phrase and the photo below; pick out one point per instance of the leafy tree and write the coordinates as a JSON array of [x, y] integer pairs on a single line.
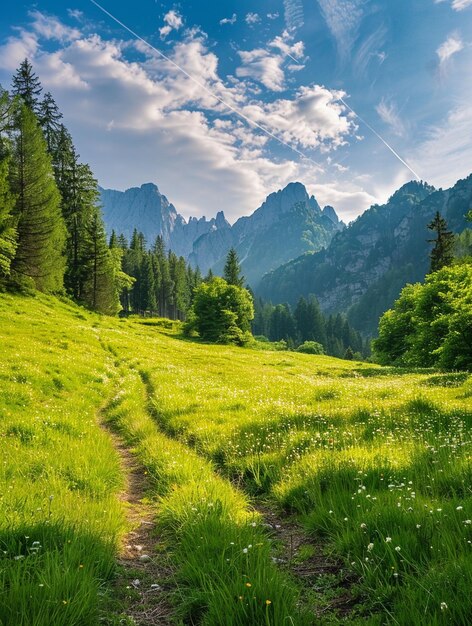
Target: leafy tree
[[232, 269], [41, 230], [311, 347], [431, 323], [443, 251], [349, 354], [221, 312], [27, 86]]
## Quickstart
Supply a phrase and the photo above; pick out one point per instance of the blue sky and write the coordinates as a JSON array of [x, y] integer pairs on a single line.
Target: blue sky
[[270, 92]]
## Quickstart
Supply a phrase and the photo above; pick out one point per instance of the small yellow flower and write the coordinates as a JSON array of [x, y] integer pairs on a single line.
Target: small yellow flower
[[268, 602], [81, 566], [248, 585]]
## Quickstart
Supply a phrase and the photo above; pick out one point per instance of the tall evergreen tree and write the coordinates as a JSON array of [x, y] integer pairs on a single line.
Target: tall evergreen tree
[[7, 227], [442, 253], [99, 289], [27, 86], [232, 269], [49, 117], [41, 231]]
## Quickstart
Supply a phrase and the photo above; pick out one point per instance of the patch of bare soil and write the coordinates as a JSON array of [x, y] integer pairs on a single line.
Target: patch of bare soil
[[144, 577]]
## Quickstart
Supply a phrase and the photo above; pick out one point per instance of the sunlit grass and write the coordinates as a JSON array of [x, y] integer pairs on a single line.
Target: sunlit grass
[[377, 461]]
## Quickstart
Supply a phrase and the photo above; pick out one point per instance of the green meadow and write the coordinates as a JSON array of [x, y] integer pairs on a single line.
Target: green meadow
[[372, 464]]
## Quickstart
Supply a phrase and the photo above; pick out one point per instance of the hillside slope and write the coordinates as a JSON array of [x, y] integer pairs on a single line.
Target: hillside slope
[[371, 462], [365, 266]]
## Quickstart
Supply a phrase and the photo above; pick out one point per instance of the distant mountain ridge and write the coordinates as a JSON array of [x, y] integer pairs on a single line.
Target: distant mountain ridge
[[365, 266], [288, 224], [151, 213]]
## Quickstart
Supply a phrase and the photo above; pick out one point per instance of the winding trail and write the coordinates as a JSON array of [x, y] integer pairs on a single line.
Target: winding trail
[[144, 577]]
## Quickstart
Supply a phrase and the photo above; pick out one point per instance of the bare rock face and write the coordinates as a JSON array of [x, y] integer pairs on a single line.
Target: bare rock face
[[287, 224], [151, 213]]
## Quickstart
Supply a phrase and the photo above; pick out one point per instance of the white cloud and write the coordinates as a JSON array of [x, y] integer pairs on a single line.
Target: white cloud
[[294, 15], [154, 117], [388, 113], [18, 48], [76, 14], [252, 18], [273, 16], [173, 21], [457, 5], [313, 118], [343, 18], [49, 27], [448, 49], [261, 65], [229, 20]]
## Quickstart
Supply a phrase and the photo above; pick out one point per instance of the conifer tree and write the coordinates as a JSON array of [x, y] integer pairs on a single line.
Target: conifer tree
[[442, 253], [27, 86], [232, 269], [49, 117], [99, 288], [41, 231], [7, 228]]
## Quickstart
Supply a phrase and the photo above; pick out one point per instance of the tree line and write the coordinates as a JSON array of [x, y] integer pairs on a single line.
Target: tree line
[[52, 236], [307, 323]]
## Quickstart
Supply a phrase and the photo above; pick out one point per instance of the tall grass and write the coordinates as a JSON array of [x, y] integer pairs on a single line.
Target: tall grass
[[375, 460]]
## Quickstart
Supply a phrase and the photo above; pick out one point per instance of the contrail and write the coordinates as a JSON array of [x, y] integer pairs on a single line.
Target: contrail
[[208, 91], [381, 139]]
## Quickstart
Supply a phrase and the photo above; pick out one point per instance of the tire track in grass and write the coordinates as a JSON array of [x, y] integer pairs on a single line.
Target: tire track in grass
[[325, 584], [141, 586]]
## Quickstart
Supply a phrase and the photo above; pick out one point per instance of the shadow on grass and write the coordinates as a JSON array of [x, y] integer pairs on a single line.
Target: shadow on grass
[[51, 573]]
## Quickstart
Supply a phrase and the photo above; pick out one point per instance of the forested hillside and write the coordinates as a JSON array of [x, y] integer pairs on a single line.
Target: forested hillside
[[365, 267]]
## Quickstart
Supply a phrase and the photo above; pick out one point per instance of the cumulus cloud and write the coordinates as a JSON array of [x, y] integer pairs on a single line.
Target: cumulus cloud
[[153, 116], [267, 67], [229, 20], [388, 113], [173, 21]]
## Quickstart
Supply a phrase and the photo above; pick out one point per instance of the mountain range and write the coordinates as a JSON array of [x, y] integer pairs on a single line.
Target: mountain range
[[289, 223], [290, 247], [364, 268]]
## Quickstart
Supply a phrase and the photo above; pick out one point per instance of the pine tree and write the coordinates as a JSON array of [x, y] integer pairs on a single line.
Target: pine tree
[[99, 289], [49, 117], [27, 86], [147, 287], [41, 231], [442, 253], [8, 235], [232, 270]]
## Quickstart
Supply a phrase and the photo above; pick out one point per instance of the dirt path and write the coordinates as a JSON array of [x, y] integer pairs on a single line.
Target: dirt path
[[144, 578]]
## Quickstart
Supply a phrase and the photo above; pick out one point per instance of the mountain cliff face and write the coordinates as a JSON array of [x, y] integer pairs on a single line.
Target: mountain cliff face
[[287, 224], [150, 212], [364, 268]]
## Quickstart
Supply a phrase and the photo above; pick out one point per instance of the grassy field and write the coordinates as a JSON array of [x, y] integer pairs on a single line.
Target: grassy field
[[375, 462]]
